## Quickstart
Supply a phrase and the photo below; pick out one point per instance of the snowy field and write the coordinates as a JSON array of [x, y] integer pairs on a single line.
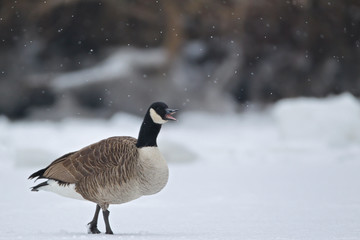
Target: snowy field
[[290, 172]]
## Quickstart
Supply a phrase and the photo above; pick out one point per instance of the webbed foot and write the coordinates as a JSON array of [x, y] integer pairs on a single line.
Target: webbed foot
[[92, 228]]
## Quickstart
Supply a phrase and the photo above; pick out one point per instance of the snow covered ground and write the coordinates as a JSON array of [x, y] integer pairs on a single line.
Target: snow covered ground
[[290, 172]]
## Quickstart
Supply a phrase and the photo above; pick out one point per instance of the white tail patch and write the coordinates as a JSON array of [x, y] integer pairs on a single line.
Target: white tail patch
[[156, 117], [67, 190]]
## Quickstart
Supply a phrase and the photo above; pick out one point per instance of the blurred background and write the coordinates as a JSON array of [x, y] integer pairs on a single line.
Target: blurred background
[[67, 58], [266, 145]]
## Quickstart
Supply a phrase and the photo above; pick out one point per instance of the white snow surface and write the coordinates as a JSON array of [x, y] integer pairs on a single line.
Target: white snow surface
[[291, 172]]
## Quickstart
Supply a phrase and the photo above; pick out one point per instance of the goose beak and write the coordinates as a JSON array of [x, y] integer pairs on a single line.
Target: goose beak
[[169, 113]]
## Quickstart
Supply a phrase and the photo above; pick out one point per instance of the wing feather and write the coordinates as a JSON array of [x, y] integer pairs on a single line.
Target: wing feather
[[93, 160]]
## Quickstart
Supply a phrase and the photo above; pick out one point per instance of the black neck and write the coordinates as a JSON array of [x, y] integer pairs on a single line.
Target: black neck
[[148, 133]]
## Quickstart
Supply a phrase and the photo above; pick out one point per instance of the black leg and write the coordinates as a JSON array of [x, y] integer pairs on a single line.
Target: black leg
[[93, 224], [106, 220]]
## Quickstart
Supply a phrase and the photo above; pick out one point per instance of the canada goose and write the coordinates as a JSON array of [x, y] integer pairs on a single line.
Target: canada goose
[[113, 171]]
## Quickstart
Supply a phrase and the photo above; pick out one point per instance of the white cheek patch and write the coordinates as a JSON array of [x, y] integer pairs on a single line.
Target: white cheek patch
[[156, 117]]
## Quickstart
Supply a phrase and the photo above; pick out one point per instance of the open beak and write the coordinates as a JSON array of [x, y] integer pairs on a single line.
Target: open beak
[[169, 113]]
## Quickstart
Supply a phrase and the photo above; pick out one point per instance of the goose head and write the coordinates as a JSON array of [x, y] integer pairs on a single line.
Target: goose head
[[160, 113]]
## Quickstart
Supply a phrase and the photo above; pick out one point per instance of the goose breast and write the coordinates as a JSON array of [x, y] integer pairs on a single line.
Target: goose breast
[[154, 172]]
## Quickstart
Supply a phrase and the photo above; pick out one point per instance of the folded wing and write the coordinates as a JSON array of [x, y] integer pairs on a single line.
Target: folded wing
[[94, 159]]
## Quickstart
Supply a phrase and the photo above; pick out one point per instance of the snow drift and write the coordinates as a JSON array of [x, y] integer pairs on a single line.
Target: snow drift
[[335, 120]]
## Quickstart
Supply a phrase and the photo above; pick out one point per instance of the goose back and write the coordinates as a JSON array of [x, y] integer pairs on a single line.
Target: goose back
[[94, 159]]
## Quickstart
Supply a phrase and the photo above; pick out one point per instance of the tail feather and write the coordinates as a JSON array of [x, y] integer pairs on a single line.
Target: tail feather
[[36, 188], [38, 174]]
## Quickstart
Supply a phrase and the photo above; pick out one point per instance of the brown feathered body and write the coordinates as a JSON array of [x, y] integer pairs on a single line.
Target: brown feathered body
[[112, 171]]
